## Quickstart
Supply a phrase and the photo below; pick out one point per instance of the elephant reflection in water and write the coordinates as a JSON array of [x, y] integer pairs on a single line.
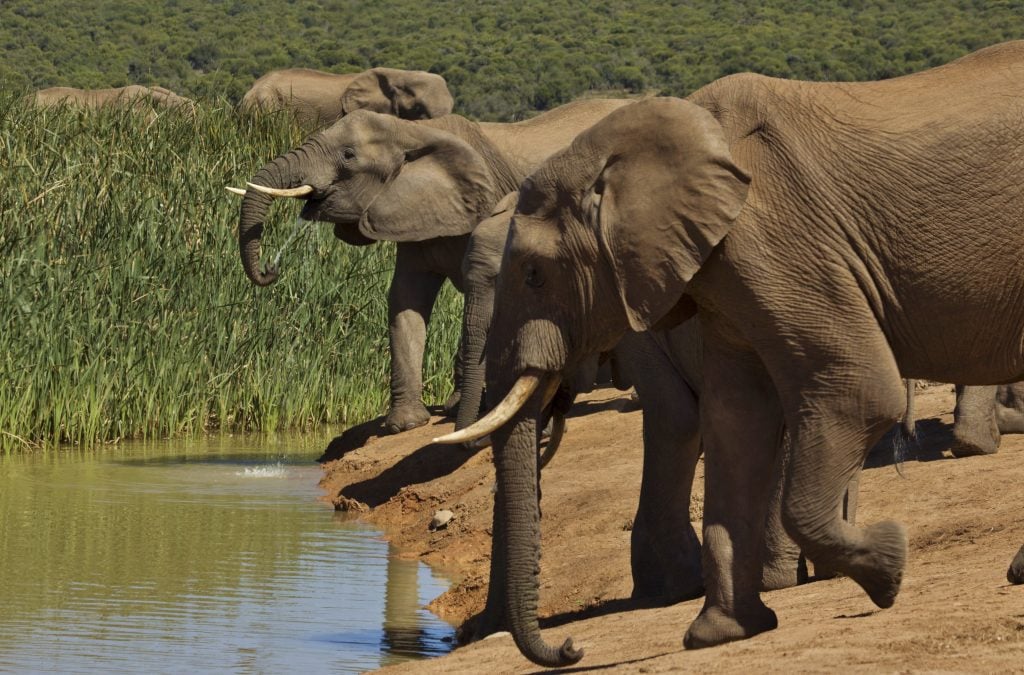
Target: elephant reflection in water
[[405, 632]]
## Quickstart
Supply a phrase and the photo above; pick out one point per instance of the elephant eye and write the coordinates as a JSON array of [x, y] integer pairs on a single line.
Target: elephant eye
[[533, 277], [348, 154]]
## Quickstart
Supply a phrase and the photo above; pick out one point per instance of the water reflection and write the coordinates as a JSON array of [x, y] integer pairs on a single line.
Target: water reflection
[[200, 557]]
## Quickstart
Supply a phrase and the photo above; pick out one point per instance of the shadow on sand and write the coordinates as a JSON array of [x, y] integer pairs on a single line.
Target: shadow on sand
[[933, 438]]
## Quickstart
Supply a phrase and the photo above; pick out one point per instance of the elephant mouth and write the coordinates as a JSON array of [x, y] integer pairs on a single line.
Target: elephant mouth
[[320, 210]]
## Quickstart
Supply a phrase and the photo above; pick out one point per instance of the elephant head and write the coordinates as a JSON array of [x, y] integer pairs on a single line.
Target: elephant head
[[375, 177], [606, 236], [409, 94]]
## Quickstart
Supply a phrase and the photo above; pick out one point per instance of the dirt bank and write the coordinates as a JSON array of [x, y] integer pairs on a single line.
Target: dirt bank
[[956, 611]]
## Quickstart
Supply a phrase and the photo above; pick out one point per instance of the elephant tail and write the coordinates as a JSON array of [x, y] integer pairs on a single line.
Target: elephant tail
[[906, 435]]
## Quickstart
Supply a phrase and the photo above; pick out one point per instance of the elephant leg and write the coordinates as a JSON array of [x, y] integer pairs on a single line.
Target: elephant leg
[[848, 512], [410, 302], [451, 406], [741, 422], [665, 551], [1010, 408], [832, 429], [784, 566], [492, 619], [975, 430]]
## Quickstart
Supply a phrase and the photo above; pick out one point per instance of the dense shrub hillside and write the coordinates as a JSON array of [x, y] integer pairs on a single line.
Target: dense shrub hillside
[[502, 59]]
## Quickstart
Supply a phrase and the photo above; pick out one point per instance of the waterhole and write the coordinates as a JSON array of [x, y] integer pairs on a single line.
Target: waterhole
[[198, 556]]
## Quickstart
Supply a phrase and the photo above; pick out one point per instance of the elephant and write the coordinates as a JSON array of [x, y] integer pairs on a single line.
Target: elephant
[[317, 98], [479, 272], [983, 414], [134, 96], [664, 367], [833, 238], [423, 184]]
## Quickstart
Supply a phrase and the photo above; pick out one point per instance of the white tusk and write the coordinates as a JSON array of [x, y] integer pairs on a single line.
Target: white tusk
[[300, 191], [502, 413], [235, 191]]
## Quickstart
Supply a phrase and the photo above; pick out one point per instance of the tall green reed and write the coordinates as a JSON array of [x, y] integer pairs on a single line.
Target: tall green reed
[[124, 311]]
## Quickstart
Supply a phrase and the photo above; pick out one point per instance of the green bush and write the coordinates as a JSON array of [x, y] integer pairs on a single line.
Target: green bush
[[504, 60], [125, 309]]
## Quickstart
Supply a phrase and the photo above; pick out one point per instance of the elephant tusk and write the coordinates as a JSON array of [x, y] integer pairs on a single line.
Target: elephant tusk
[[235, 191], [300, 191], [502, 413]]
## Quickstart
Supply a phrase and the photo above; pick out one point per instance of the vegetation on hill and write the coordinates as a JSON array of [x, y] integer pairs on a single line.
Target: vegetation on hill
[[502, 59], [124, 308]]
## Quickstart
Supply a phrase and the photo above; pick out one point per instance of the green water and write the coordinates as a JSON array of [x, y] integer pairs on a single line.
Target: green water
[[198, 556]]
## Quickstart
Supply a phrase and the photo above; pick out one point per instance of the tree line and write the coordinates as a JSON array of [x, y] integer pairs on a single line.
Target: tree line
[[502, 60]]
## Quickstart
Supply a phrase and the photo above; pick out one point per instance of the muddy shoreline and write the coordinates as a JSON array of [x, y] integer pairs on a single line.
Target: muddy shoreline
[[955, 612]]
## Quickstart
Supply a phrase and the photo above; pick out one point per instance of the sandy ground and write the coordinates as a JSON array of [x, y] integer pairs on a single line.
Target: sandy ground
[[955, 613]]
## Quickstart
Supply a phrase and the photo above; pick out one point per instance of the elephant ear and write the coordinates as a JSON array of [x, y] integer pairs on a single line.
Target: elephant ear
[[666, 196], [409, 94], [442, 188]]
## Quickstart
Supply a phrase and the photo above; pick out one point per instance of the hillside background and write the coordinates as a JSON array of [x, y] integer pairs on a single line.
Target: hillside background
[[502, 59]]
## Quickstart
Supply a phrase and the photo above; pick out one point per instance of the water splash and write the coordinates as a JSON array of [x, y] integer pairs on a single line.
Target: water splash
[[264, 471], [302, 227]]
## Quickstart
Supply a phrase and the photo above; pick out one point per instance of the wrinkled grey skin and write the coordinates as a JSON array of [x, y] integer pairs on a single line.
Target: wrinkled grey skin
[[983, 414], [423, 184], [479, 273], [664, 366], [318, 99], [829, 236], [145, 99]]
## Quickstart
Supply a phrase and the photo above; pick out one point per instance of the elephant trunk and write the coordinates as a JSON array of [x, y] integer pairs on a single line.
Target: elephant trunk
[[515, 452], [279, 173], [476, 320]]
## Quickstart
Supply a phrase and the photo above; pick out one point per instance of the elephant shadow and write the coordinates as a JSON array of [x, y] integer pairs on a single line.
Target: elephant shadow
[[359, 435], [613, 401], [423, 465], [932, 439]]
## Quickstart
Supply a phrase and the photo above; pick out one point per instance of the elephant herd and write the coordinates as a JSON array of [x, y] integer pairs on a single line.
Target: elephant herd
[[313, 98], [765, 261]]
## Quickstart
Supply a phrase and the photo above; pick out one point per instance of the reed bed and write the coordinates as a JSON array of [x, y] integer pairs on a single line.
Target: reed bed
[[124, 311]]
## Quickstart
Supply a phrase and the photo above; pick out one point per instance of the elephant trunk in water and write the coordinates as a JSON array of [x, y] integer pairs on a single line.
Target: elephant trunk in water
[[282, 172]]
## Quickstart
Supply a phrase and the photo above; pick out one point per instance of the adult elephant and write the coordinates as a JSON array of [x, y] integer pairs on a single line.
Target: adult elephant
[[833, 236], [423, 184], [665, 368], [317, 98], [134, 96]]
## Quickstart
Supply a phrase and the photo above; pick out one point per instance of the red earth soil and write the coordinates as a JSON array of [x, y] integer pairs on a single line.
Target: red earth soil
[[955, 613]]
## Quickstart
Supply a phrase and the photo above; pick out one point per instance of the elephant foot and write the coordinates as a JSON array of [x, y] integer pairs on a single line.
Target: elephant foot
[[480, 626], [784, 575], [669, 584], [714, 627], [406, 418], [1015, 575], [878, 564], [971, 441], [665, 560]]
